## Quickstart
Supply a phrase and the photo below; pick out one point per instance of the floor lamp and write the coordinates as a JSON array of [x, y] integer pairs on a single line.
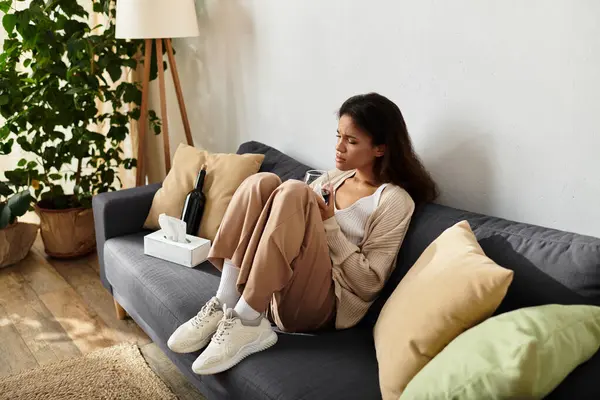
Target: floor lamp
[[158, 21]]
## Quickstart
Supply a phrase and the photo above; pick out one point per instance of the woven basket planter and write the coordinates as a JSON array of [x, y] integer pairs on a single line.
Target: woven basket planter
[[16, 241], [67, 233]]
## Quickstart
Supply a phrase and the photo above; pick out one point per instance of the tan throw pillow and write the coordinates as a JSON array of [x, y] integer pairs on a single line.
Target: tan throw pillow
[[452, 287], [224, 174]]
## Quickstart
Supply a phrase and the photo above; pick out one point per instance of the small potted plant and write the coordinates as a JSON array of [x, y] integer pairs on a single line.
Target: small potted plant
[[16, 238], [56, 74]]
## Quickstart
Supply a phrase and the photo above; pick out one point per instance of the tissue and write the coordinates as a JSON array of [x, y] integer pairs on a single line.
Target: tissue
[[173, 228]]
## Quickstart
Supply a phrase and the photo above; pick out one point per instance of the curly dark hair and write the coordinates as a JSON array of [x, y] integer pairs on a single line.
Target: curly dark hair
[[381, 119]]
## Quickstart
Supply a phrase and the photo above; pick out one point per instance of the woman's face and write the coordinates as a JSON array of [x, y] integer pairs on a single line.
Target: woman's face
[[354, 149]]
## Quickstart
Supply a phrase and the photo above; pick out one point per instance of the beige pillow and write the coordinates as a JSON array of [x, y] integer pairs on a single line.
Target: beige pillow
[[224, 174], [452, 287]]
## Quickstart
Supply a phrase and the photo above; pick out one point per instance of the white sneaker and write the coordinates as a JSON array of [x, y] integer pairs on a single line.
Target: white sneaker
[[196, 333], [233, 342]]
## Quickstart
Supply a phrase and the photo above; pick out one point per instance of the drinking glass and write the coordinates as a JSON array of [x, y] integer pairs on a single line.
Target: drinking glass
[[323, 186]]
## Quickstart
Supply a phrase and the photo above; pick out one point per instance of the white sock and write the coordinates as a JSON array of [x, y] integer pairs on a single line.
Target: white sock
[[244, 311], [227, 292]]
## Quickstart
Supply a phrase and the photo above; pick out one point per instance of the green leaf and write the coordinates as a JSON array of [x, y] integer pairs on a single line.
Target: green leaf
[[27, 63], [21, 162], [86, 201], [130, 62], [18, 177], [28, 32], [8, 22], [135, 113], [75, 47], [5, 190], [57, 191], [115, 72], [132, 94], [74, 29], [60, 22], [57, 135], [7, 146], [108, 176], [4, 131], [98, 7], [4, 99], [19, 203], [75, 90], [153, 62], [130, 163], [32, 164], [5, 5], [5, 216], [94, 136], [55, 176], [24, 143], [117, 132], [119, 119]]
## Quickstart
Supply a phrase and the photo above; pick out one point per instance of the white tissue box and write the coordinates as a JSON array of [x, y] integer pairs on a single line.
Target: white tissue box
[[188, 254]]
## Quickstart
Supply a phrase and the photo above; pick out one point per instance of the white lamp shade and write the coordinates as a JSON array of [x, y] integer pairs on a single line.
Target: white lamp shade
[[156, 19]]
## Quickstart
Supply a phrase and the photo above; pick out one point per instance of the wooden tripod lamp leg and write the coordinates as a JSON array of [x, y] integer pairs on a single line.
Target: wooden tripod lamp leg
[[163, 104], [177, 83], [143, 121], [121, 313]]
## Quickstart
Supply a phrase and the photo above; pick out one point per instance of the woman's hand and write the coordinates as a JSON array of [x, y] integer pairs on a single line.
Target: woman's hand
[[326, 209]]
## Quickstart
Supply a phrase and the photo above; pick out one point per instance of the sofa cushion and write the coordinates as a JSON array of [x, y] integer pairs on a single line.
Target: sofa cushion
[[522, 354], [326, 365], [452, 287], [275, 161], [224, 174]]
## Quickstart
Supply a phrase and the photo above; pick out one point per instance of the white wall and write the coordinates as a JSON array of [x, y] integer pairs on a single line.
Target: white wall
[[502, 98]]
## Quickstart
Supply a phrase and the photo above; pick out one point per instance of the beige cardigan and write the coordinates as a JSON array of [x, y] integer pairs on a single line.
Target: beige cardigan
[[360, 272]]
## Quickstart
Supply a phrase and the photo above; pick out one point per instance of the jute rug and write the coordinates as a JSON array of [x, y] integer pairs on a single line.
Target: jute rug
[[118, 372]]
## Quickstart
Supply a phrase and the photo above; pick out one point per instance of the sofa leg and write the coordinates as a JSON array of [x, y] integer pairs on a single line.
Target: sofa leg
[[121, 313]]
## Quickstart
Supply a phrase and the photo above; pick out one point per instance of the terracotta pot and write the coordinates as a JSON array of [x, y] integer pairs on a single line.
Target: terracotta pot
[[67, 233], [16, 241]]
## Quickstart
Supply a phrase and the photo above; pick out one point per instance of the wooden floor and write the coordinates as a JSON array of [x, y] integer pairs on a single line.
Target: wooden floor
[[52, 310]]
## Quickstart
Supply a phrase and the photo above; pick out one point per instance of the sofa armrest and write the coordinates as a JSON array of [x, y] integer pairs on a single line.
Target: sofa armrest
[[120, 213]]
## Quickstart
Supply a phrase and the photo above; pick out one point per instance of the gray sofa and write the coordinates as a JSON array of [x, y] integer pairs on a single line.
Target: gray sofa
[[550, 267]]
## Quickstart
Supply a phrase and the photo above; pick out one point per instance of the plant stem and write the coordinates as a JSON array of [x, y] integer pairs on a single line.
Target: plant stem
[[78, 173]]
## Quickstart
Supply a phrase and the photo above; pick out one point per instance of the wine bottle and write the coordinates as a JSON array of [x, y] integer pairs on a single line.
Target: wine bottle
[[193, 207]]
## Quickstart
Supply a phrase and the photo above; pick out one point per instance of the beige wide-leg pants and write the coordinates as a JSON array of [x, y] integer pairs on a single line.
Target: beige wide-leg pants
[[274, 233]]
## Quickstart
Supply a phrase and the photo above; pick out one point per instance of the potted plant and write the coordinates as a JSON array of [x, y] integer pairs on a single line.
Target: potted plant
[[56, 71], [16, 238]]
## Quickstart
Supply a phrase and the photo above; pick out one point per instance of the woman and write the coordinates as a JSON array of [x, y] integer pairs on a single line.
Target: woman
[[289, 257]]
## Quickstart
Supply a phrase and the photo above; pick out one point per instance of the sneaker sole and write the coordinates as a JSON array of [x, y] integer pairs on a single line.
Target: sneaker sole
[[257, 346]]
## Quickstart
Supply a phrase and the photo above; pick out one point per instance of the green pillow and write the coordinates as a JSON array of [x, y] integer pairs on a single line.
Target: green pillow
[[521, 354]]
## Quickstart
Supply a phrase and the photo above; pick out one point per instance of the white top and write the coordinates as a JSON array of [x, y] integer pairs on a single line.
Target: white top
[[352, 220]]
